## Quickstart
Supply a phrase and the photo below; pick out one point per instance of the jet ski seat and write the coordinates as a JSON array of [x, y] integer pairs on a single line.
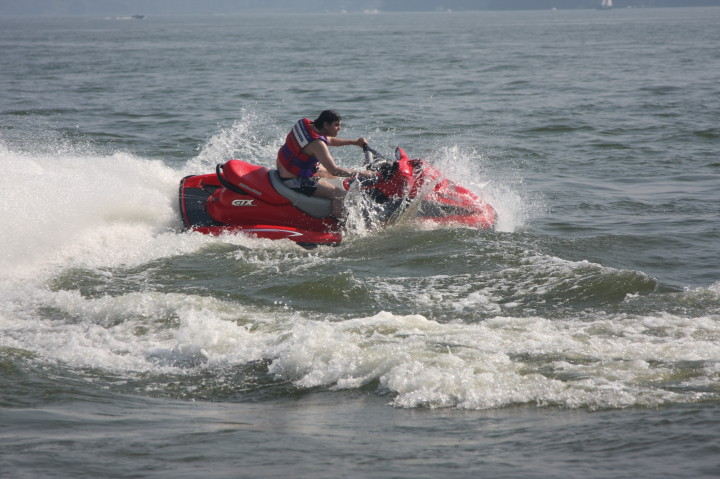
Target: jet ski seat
[[315, 206]]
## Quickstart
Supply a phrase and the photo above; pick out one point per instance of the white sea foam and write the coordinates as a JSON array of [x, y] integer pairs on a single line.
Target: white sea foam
[[240, 140], [494, 364], [98, 212], [470, 169], [594, 362], [70, 208]]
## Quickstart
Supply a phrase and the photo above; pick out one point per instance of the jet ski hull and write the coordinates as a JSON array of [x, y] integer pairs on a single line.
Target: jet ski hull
[[250, 199], [246, 214]]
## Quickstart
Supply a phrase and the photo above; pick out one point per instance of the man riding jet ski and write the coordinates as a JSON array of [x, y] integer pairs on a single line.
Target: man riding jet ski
[[304, 160], [302, 199]]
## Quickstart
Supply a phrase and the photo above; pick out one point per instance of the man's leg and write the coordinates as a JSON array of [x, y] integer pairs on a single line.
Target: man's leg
[[335, 193]]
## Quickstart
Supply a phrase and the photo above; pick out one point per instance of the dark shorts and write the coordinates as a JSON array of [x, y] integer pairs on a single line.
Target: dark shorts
[[306, 186]]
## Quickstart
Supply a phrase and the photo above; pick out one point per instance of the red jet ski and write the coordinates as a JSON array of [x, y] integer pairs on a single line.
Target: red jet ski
[[245, 198]]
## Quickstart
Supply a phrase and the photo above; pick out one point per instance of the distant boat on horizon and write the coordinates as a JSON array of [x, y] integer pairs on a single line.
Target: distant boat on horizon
[[605, 5]]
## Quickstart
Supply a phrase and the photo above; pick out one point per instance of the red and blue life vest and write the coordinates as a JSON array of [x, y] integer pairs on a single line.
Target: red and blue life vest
[[291, 156]]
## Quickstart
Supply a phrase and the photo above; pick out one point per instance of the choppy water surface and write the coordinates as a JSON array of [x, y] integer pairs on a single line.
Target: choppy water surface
[[580, 338]]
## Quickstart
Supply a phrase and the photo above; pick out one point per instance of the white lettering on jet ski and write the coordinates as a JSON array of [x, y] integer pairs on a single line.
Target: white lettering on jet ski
[[243, 203]]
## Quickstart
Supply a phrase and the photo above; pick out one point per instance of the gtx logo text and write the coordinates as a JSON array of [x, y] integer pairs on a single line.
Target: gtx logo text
[[243, 203]]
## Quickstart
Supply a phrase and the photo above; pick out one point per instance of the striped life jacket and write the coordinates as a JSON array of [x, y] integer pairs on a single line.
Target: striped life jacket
[[291, 155]]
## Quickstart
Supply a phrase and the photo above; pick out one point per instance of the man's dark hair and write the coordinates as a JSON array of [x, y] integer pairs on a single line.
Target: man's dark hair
[[327, 116]]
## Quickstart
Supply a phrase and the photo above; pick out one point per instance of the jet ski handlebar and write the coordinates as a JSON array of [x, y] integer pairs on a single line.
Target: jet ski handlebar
[[376, 161], [371, 155]]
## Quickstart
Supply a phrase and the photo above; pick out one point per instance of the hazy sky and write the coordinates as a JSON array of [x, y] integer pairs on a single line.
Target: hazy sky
[[169, 7]]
